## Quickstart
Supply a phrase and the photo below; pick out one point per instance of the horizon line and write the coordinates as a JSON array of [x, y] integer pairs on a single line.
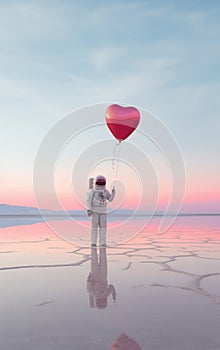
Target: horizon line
[[115, 215]]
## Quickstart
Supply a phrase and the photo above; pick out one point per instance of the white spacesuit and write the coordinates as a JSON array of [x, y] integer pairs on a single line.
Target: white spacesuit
[[97, 199]]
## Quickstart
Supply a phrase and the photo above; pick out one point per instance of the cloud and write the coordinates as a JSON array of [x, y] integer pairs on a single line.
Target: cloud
[[26, 20]]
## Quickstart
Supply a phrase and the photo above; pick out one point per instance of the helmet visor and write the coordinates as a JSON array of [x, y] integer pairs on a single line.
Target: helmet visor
[[100, 182]]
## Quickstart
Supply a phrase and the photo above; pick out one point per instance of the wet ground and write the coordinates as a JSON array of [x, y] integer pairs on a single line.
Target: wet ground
[[163, 291]]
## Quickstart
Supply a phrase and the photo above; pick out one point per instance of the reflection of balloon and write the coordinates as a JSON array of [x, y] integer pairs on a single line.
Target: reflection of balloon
[[123, 342], [122, 121]]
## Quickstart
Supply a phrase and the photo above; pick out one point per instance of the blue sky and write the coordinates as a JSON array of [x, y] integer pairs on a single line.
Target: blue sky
[[57, 56]]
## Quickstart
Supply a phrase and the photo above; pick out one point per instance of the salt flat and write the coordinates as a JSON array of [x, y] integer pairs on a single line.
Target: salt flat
[[166, 289]]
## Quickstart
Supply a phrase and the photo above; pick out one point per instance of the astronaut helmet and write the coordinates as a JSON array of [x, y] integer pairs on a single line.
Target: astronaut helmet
[[100, 181], [101, 303]]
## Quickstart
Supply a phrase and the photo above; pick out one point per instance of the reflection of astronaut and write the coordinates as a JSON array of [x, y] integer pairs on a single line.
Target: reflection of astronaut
[[123, 342], [96, 207], [97, 284]]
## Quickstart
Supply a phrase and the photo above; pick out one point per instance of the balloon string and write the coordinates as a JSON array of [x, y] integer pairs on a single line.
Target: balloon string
[[114, 155], [117, 147]]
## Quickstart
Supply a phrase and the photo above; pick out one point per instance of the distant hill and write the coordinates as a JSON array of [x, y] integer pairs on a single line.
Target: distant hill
[[13, 210], [12, 215], [6, 209]]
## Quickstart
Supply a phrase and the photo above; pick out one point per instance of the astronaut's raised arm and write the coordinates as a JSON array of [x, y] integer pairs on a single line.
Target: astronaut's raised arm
[[111, 196], [113, 291]]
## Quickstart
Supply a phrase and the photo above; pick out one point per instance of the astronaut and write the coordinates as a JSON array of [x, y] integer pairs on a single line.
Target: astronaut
[[96, 204], [97, 285]]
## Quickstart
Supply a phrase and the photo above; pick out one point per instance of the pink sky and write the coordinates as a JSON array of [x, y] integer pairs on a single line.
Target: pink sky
[[200, 196]]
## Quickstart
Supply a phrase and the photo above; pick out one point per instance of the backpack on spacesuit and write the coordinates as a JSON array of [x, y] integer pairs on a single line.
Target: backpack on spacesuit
[[91, 181]]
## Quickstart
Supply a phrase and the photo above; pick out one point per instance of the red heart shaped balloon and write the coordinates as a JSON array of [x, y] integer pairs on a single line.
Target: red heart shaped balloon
[[122, 121]]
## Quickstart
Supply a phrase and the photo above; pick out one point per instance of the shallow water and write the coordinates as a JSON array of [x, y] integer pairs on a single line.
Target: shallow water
[[55, 295]]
